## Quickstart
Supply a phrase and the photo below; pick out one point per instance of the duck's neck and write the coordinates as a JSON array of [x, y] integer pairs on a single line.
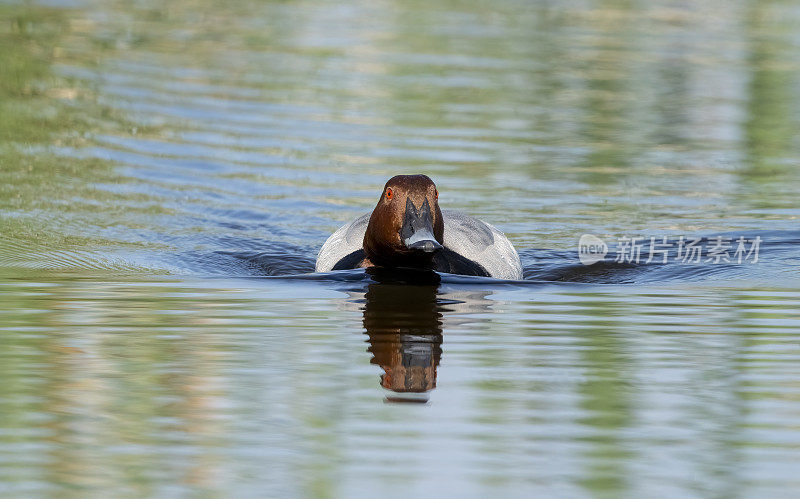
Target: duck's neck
[[384, 255]]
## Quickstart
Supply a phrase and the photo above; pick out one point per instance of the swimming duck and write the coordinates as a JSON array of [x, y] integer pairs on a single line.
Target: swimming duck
[[407, 229]]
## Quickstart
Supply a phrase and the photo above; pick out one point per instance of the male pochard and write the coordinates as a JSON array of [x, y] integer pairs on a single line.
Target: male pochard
[[408, 230]]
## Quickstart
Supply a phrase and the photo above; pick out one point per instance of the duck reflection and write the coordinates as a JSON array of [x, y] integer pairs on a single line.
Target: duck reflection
[[404, 325], [403, 317]]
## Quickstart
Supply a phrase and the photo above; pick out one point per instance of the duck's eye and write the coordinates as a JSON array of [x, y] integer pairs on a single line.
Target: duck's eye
[[389, 193], [436, 193]]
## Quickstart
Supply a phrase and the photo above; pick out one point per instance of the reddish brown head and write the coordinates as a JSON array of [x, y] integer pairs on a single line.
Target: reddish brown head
[[406, 227]]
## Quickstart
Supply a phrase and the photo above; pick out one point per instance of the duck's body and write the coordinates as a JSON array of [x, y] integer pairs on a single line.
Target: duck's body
[[471, 247], [399, 234]]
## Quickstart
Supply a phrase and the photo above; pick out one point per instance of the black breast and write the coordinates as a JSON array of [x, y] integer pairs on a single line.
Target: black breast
[[351, 261], [447, 260]]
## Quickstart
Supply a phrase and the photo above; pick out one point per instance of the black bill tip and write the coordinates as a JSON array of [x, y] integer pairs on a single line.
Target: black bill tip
[[426, 245]]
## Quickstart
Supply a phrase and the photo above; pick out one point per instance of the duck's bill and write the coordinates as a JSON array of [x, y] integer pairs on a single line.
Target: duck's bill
[[423, 240], [417, 230]]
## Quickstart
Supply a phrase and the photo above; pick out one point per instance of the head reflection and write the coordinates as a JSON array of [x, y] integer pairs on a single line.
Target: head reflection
[[403, 320]]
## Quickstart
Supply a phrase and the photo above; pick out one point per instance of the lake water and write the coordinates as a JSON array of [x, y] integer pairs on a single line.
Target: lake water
[[168, 171]]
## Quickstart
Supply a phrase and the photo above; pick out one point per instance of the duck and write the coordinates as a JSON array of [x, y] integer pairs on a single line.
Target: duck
[[408, 230]]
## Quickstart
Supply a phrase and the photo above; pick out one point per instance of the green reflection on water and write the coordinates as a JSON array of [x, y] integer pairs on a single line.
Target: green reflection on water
[[47, 199], [771, 125]]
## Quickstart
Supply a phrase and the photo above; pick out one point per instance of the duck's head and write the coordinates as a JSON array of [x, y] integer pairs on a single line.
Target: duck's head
[[406, 227]]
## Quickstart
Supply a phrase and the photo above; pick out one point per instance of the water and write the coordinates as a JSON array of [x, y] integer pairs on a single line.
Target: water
[[168, 172]]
